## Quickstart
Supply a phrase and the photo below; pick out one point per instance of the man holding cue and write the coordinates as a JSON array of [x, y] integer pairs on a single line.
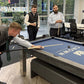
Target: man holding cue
[[55, 20], [9, 33]]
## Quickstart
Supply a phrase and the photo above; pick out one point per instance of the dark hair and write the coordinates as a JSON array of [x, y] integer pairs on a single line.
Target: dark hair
[[54, 5], [34, 6], [15, 25]]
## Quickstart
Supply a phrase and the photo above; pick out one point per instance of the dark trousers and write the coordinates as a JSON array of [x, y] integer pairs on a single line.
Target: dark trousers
[[0, 62], [54, 32], [32, 33]]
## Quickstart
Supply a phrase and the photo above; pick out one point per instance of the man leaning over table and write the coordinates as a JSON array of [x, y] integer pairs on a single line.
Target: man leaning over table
[[9, 33]]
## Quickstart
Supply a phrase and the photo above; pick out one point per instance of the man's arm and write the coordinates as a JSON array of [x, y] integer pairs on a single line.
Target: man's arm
[[22, 42], [38, 21], [62, 20], [25, 43], [50, 19], [26, 20], [59, 21]]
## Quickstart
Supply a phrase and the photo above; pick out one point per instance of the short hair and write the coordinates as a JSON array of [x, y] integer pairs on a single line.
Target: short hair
[[34, 6], [15, 25], [54, 5]]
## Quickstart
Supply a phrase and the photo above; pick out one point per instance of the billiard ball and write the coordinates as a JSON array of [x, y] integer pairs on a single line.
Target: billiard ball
[[68, 46]]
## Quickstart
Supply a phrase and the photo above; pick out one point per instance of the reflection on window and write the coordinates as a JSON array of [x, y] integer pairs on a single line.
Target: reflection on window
[[69, 13], [70, 6], [69, 17], [57, 2], [42, 7]]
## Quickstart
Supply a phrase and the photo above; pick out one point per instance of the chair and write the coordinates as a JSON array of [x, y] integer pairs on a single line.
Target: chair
[[74, 32], [72, 20], [64, 34], [82, 22]]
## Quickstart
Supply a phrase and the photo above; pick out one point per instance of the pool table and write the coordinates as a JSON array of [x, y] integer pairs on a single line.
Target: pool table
[[59, 53]]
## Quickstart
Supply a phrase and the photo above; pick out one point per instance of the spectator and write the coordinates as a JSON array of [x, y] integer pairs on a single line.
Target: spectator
[[55, 21], [32, 22]]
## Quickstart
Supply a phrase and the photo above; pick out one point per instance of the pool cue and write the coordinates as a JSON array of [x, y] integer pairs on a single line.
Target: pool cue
[[31, 48], [35, 47], [44, 46], [20, 49], [53, 45]]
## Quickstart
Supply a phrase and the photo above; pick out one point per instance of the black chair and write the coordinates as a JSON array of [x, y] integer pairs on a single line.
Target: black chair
[[82, 22], [64, 34], [72, 20], [74, 32]]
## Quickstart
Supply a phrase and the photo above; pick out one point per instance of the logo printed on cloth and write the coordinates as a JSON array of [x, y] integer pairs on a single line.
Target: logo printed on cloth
[[67, 51], [79, 53]]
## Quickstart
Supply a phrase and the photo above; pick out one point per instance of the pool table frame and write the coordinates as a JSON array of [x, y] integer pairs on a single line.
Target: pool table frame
[[57, 62], [52, 74]]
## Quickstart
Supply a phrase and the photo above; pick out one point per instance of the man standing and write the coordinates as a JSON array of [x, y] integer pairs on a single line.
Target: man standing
[[32, 22], [55, 20], [7, 34]]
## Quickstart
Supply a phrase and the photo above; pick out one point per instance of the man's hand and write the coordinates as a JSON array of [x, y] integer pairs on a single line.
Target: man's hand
[[0, 52], [33, 24], [58, 21], [36, 47]]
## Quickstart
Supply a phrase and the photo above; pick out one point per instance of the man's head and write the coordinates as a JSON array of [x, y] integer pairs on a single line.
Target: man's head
[[55, 8], [34, 9], [14, 29]]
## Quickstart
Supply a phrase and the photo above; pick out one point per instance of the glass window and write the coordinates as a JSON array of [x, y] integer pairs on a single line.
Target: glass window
[[57, 2], [42, 10], [69, 17], [69, 6], [69, 10], [42, 7]]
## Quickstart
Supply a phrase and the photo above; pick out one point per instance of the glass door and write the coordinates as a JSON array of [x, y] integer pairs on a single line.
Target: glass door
[[43, 14]]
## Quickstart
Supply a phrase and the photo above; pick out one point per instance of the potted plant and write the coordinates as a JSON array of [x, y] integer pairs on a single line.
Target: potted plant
[[5, 21], [19, 18]]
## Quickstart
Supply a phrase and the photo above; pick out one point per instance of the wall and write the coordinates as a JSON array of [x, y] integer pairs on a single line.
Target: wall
[[79, 7]]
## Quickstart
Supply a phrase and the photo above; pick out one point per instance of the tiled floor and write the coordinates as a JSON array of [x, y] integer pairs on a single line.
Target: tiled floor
[[11, 75]]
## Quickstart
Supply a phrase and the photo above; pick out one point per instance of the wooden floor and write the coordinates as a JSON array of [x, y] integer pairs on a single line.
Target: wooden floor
[[11, 75]]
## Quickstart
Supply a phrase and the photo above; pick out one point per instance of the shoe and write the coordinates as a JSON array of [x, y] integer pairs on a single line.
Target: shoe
[[2, 82]]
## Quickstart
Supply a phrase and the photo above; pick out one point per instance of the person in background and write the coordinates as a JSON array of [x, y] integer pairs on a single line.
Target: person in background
[[55, 21], [24, 13], [32, 22], [10, 33]]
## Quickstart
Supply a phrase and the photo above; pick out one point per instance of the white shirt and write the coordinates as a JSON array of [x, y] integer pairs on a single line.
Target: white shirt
[[27, 19], [22, 42], [53, 18]]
